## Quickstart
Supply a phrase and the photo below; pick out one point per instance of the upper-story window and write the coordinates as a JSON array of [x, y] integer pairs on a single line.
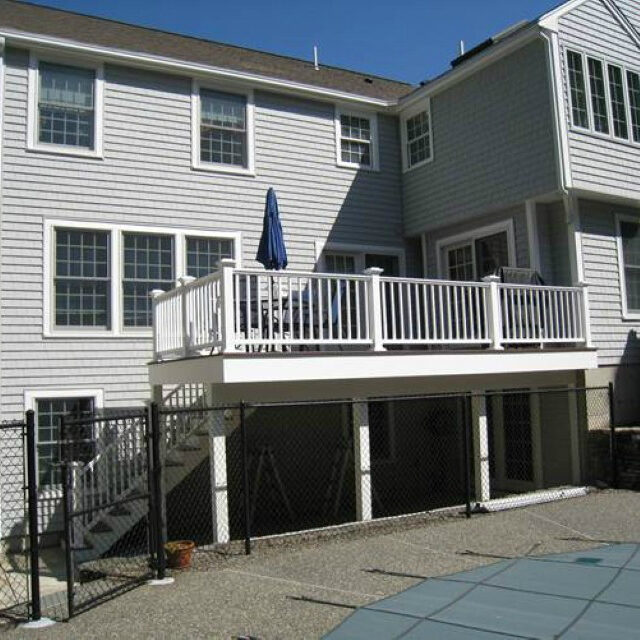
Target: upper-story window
[[629, 259], [223, 130], [65, 108], [356, 140], [416, 136], [609, 102]]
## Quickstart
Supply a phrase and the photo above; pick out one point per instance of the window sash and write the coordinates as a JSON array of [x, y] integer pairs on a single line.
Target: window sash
[[633, 82], [630, 236], [579, 112], [460, 263], [618, 104], [418, 131], [598, 95], [223, 128], [356, 138], [204, 254]]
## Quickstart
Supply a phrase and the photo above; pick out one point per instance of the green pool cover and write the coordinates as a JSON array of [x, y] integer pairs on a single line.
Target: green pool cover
[[590, 595]]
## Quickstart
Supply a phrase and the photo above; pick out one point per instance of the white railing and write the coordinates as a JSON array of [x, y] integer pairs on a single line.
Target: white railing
[[254, 310]]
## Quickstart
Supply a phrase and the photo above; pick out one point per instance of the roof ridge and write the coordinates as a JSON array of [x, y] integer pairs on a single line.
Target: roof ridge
[[206, 40]]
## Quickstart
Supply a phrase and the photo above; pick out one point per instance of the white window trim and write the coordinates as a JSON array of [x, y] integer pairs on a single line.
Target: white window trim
[[33, 144], [410, 113], [358, 251], [196, 162], [590, 117], [31, 397], [626, 313], [372, 116], [469, 237], [116, 257]]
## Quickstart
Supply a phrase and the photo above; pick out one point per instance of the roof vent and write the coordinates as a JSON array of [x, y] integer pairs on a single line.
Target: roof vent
[[315, 57], [368, 80]]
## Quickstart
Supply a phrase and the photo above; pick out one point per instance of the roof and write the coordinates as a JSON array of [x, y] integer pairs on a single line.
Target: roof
[[35, 19]]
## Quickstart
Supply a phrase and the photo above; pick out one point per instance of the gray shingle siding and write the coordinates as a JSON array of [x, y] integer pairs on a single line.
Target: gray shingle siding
[[146, 179], [598, 163], [493, 144]]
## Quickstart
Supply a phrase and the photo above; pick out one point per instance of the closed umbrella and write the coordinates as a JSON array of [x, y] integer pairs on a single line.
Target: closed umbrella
[[272, 252]]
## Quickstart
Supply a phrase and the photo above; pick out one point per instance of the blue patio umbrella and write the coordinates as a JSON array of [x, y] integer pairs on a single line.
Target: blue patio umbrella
[[272, 252]]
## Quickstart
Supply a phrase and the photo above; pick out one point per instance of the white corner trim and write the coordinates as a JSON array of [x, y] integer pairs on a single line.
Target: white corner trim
[[626, 313], [372, 116], [32, 107], [196, 162], [424, 105], [532, 235], [359, 251], [472, 235], [117, 330]]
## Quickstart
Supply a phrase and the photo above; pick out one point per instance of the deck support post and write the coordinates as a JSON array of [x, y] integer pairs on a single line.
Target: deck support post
[[362, 459], [481, 447], [219, 426], [375, 308], [227, 305]]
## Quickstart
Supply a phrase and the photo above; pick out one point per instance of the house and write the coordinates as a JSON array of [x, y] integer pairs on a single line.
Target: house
[[135, 160]]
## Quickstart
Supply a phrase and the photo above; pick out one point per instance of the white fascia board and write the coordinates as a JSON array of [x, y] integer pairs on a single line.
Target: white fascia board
[[481, 60], [550, 19], [172, 65], [238, 369]]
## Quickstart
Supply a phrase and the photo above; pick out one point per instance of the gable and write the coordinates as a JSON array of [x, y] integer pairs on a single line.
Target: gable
[[631, 11]]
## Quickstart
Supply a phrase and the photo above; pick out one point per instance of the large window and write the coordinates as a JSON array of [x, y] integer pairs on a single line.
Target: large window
[[418, 139], [82, 278], [618, 105], [598, 95], [629, 246], [204, 254], [633, 81], [356, 136], [356, 261], [148, 265], [223, 128], [48, 413], [579, 114]]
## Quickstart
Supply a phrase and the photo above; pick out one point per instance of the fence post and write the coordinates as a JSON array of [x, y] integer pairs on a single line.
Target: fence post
[[32, 493], [67, 509], [466, 419], [245, 481], [184, 309], [227, 324], [157, 502], [613, 444], [494, 319], [375, 308]]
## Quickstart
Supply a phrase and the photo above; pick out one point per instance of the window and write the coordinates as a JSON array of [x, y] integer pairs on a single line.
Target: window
[[598, 96], [356, 140], [64, 107], [148, 265], [339, 263], [48, 412], [579, 114], [82, 278], [618, 106], [633, 80], [223, 128], [418, 144], [381, 427], [460, 263], [204, 254], [354, 260], [629, 247]]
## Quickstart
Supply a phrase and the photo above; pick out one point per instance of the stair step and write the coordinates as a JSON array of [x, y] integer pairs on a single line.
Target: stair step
[[101, 527], [189, 447], [120, 510], [173, 463]]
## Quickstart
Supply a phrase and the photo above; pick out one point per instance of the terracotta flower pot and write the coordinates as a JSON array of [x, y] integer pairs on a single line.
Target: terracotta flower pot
[[179, 553]]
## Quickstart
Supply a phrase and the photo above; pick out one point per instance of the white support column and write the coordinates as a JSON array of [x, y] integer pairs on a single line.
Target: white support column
[[585, 312], [375, 307], [494, 313], [574, 435], [227, 323], [218, 470], [187, 326], [536, 441], [362, 460], [480, 427]]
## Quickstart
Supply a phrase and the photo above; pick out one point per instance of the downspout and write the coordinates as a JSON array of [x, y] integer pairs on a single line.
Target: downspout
[[2, 103]]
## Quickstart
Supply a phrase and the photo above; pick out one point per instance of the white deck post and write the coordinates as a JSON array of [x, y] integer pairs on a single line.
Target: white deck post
[[362, 460], [574, 434], [227, 324], [481, 447], [586, 322], [154, 322], [186, 321], [494, 314], [218, 470], [375, 307]]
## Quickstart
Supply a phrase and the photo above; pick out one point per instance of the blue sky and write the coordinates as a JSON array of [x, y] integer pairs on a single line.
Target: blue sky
[[409, 40]]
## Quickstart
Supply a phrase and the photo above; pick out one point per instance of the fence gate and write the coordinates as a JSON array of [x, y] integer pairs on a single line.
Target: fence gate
[[14, 526], [109, 541]]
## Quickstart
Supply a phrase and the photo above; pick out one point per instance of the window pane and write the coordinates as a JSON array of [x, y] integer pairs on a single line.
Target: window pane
[[630, 236], [223, 147], [223, 123], [355, 128], [460, 262], [598, 96], [82, 278], [204, 254], [492, 253], [618, 108], [578, 94], [355, 140], [148, 265], [48, 412], [223, 110], [355, 152], [633, 80], [339, 263], [65, 105]]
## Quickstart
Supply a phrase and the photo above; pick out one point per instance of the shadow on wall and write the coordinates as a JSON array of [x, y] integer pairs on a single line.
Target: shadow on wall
[[627, 383]]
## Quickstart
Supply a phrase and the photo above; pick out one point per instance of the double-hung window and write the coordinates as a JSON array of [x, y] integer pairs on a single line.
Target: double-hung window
[[579, 113], [204, 255], [148, 265], [618, 105], [82, 278], [629, 257], [633, 82], [65, 108], [598, 95], [418, 139], [356, 138], [223, 130]]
